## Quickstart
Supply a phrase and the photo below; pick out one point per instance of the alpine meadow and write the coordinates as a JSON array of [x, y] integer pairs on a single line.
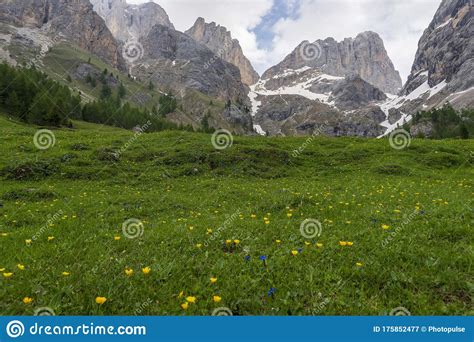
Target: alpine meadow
[[154, 168]]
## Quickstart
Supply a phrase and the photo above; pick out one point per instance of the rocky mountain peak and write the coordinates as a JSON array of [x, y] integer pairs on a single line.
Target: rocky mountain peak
[[219, 40], [127, 21], [74, 19], [445, 50], [364, 55]]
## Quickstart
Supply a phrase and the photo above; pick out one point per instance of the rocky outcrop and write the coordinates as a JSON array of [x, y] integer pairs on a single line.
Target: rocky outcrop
[[131, 21], [220, 41], [443, 70], [364, 56], [446, 49], [289, 115], [180, 62], [73, 19], [354, 93], [298, 101]]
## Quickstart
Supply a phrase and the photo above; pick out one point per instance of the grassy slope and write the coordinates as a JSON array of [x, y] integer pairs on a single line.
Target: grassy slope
[[63, 59], [173, 181]]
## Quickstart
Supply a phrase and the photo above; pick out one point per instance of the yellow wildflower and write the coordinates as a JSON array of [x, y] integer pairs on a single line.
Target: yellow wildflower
[[236, 242], [199, 245], [213, 280], [7, 274], [350, 244], [278, 242], [27, 300], [228, 242], [146, 270], [385, 227], [343, 243], [307, 243], [191, 299], [100, 300], [319, 245], [294, 253], [216, 299], [65, 274], [185, 306], [21, 267], [128, 272], [50, 238], [28, 241], [359, 264], [117, 238]]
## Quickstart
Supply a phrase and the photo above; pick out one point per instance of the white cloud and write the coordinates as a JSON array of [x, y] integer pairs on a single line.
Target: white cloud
[[399, 22]]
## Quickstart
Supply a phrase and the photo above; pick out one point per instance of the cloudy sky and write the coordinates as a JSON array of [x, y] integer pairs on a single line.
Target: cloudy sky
[[268, 30]]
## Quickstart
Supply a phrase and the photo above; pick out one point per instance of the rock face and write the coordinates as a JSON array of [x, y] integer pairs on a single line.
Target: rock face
[[131, 21], [364, 56], [446, 49], [74, 19], [443, 70], [177, 62], [354, 93], [342, 85], [220, 41]]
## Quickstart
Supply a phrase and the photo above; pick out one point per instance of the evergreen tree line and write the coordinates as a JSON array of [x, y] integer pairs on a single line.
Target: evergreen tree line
[[29, 95], [447, 122]]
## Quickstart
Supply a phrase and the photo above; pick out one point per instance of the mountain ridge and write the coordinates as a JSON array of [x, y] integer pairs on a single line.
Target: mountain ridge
[[131, 22], [219, 40]]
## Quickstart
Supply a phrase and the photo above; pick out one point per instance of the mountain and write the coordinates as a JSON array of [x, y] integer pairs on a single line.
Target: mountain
[[220, 41], [443, 69], [176, 60], [178, 64], [42, 21], [364, 56], [131, 21], [71, 43], [330, 87]]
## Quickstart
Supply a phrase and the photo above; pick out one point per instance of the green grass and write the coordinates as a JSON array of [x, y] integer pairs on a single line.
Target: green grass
[[173, 181]]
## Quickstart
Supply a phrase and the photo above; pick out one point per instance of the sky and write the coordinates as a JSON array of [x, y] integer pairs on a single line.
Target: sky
[[268, 30]]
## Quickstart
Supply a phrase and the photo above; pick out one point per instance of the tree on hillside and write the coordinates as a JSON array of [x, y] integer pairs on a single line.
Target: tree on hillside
[[121, 91], [106, 92]]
